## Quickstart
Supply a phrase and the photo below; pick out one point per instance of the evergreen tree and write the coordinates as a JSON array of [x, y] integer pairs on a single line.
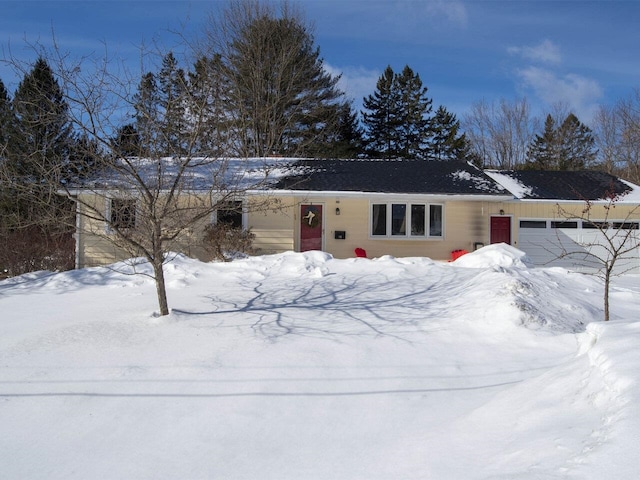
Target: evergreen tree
[[381, 117], [345, 141], [209, 92], [172, 100], [577, 143], [544, 151], [43, 137], [348, 139], [7, 121], [447, 143], [126, 143], [396, 119], [147, 107], [414, 110], [282, 100], [570, 146]]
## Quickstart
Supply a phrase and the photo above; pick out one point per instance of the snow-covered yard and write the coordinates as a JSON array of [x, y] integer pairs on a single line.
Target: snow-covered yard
[[301, 366]]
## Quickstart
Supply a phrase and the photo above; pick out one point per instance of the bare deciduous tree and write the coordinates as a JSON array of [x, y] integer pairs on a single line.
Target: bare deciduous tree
[[144, 206], [610, 244], [618, 137], [500, 134]]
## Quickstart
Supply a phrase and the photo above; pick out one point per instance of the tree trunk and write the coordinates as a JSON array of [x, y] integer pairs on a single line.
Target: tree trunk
[[161, 289], [607, 280]]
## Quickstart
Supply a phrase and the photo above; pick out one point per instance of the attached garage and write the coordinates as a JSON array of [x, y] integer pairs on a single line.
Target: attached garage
[[577, 245], [567, 218]]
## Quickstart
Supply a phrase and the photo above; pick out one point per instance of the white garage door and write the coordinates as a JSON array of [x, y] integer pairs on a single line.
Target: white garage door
[[576, 245]]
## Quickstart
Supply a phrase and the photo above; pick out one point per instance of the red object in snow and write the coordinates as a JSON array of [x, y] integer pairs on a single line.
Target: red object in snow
[[457, 254], [361, 253]]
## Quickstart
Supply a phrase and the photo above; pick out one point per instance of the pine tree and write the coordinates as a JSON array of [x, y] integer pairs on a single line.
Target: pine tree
[[381, 122], [281, 97], [172, 101], [7, 121], [348, 139], [126, 143], [570, 146], [396, 119], [414, 110], [345, 141], [43, 130], [577, 144], [447, 143], [544, 151], [147, 107], [209, 93]]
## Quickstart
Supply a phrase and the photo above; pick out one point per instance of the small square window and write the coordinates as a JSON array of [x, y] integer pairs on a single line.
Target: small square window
[[123, 213], [230, 214]]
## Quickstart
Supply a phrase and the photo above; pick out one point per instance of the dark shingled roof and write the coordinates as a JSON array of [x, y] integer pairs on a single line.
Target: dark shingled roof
[[390, 176], [568, 185]]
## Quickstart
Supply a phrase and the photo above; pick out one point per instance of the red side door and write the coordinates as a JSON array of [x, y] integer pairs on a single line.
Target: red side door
[[501, 230], [310, 227]]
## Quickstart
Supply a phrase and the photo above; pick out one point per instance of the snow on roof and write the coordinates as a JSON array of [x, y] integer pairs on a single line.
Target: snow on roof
[[200, 173], [518, 189], [579, 185], [481, 183]]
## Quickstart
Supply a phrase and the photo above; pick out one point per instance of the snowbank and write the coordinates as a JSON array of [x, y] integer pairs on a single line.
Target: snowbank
[[304, 366], [496, 255]]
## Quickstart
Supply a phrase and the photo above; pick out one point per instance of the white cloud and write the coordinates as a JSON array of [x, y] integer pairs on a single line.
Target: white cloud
[[452, 10], [545, 52], [581, 94], [356, 82]]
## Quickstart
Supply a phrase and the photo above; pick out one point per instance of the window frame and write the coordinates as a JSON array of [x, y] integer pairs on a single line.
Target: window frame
[[111, 224], [396, 230], [242, 213]]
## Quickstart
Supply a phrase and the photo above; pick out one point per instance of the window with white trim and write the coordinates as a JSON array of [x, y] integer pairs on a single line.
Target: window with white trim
[[406, 220]]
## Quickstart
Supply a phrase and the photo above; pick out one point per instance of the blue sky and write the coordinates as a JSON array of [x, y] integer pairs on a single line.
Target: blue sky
[[581, 53]]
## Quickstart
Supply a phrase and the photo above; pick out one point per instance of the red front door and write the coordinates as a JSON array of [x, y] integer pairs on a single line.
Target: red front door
[[501, 230], [310, 227]]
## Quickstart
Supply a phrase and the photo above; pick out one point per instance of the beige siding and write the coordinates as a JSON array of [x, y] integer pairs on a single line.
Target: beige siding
[[465, 223], [273, 227], [276, 228]]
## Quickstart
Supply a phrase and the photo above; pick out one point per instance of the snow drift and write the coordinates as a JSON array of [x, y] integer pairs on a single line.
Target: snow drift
[[300, 365]]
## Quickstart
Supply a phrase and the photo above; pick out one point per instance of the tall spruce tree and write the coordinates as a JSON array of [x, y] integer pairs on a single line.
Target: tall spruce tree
[[397, 116], [414, 115], [544, 150], [447, 143], [7, 121], [209, 92], [43, 135], [570, 146], [147, 113], [577, 143], [381, 117], [172, 98], [281, 97]]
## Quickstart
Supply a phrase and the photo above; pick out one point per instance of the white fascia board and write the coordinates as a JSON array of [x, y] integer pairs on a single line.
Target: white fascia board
[[385, 196]]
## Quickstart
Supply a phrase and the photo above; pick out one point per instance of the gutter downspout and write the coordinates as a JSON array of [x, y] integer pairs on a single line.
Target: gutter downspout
[[77, 236]]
